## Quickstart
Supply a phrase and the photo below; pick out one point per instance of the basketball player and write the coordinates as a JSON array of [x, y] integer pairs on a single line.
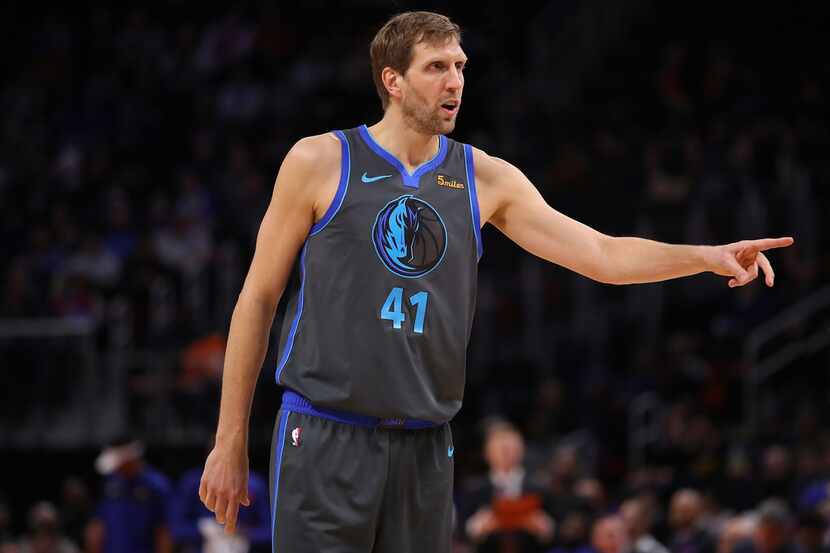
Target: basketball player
[[383, 223]]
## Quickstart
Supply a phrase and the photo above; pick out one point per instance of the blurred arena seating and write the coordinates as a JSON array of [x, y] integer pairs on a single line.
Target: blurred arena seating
[[138, 147]]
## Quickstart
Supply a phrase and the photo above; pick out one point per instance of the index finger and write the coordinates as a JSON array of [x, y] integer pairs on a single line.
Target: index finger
[[770, 243]]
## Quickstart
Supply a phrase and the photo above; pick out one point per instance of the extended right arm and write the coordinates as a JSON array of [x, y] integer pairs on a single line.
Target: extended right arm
[[295, 202]]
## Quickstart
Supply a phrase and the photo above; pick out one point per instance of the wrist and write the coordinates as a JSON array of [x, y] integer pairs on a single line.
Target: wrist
[[233, 436], [705, 256]]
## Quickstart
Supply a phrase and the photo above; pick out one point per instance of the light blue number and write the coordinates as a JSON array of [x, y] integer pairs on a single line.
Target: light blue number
[[419, 300], [391, 309]]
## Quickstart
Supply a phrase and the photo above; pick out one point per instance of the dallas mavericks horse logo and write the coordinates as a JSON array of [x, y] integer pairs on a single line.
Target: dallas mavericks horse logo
[[409, 237]]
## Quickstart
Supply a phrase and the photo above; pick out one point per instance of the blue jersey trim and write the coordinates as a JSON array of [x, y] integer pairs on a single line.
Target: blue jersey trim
[[280, 447], [411, 180], [471, 187], [342, 187], [289, 343], [295, 403]]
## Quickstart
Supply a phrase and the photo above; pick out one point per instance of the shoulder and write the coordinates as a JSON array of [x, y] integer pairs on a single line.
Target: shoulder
[[314, 152], [311, 160], [491, 169], [498, 182]]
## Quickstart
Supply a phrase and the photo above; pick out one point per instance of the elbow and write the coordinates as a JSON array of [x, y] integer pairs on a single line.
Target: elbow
[[258, 301], [604, 268]]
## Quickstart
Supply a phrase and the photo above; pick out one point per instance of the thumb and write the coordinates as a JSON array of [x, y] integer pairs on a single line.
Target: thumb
[[246, 500]]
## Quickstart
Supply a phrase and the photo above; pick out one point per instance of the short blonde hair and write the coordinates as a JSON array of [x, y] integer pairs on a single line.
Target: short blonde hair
[[393, 44]]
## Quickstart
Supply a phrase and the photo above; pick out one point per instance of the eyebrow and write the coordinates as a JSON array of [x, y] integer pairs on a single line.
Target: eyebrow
[[435, 59]]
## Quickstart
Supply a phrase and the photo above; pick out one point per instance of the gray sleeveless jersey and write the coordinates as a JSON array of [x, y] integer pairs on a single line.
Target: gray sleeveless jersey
[[380, 308]]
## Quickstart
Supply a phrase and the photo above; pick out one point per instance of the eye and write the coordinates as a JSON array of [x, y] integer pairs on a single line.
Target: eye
[[438, 65]]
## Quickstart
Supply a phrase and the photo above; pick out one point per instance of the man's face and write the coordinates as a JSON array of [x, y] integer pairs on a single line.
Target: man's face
[[684, 510], [609, 536], [431, 87], [504, 450], [633, 515]]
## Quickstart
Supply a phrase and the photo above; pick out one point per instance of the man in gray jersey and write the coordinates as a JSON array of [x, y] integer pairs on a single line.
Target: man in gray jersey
[[372, 239]]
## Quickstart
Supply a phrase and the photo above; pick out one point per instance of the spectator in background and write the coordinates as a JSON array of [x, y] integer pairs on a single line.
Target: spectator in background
[[815, 497], [565, 471], [120, 237], [591, 492], [505, 512], [773, 533], [777, 473], [685, 519], [132, 514], [94, 263], [638, 520], [194, 529], [609, 535], [200, 379], [185, 245], [75, 508], [738, 490], [810, 532], [572, 533], [44, 535], [737, 530]]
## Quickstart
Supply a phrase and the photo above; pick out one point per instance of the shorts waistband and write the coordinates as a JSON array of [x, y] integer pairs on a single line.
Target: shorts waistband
[[293, 401]]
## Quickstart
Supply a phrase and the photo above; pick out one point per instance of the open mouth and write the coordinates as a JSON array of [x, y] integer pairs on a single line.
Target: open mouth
[[450, 107]]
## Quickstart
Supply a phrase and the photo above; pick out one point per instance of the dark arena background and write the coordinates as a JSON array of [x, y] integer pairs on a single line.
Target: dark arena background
[[138, 149]]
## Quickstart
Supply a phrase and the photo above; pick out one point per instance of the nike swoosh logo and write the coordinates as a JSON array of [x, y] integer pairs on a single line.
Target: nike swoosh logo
[[366, 178]]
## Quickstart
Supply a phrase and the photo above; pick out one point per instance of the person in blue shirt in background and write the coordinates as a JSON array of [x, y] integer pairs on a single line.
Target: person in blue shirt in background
[[190, 520], [132, 514]]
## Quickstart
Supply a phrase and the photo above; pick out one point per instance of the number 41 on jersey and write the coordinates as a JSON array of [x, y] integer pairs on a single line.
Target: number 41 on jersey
[[392, 309]]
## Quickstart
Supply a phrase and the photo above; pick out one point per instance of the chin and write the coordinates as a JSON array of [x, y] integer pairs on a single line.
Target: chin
[[447, 126]]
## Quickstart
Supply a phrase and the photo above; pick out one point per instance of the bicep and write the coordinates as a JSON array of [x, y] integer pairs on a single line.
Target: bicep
[[526, 218]]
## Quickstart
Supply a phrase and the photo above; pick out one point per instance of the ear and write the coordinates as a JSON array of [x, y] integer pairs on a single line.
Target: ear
[[391, 80]]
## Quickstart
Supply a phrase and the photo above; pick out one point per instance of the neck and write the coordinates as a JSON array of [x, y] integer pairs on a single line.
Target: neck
[[411, 147], [506, 471]]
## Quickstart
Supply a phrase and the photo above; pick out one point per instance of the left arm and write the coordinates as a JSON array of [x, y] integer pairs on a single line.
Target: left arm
[[510, 202]]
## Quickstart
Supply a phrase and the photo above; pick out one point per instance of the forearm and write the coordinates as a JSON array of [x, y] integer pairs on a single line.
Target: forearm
[[247, 345], [631, 260]]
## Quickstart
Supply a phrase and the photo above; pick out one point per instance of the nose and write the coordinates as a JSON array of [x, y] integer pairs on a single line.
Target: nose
[[456, 80]]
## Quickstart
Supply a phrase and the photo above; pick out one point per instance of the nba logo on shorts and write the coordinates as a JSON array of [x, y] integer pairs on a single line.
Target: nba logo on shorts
[[295, 436]]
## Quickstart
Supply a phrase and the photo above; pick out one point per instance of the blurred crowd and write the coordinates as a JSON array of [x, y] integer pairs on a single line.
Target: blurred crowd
[[775, 500], [137, 151], [139, 509], [526, 499]]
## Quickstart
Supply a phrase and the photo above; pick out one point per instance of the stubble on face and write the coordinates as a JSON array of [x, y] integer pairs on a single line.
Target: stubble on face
[[422, 117]]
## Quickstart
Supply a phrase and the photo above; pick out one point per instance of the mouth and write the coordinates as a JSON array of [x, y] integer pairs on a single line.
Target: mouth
[[450, 107]]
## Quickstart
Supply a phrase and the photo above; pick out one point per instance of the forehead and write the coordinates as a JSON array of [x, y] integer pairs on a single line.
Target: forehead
[[613, 524], [504, 436], [450, 48]]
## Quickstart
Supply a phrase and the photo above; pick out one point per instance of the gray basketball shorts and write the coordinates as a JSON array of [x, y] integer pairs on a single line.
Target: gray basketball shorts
[[344, 488]]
